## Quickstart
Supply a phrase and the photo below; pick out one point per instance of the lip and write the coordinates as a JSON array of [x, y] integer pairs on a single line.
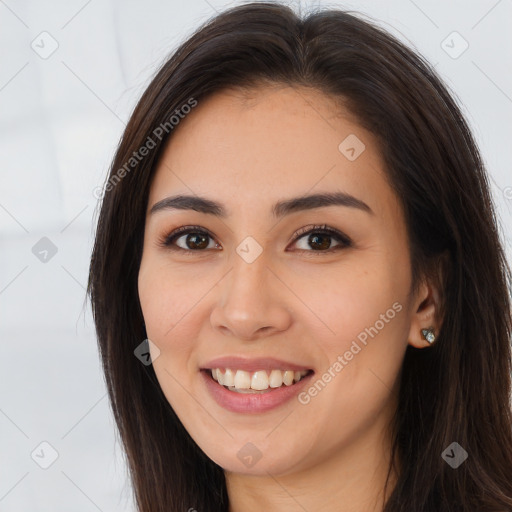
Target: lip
[[253, 364], [248, 403]]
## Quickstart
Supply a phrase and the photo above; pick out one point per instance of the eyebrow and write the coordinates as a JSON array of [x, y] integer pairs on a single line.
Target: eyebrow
[[279, 209]]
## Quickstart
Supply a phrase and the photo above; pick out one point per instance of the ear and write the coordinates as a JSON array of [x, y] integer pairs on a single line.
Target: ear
[[427, 307]]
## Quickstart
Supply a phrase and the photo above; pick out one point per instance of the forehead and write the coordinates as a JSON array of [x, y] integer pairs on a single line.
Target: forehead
[[247, 145]]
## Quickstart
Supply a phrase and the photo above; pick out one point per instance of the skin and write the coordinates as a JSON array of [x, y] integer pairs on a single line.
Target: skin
[[293, 302]]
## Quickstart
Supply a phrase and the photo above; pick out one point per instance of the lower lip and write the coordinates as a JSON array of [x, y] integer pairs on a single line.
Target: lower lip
[[251, 402]]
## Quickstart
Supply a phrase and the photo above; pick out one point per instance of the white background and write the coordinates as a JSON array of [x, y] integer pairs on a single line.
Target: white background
[[60, 121]]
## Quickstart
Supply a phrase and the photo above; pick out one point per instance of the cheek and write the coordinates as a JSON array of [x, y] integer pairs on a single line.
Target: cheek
[[165, 301], [365, 294], [155, 300], [364, 326], [165, 315]]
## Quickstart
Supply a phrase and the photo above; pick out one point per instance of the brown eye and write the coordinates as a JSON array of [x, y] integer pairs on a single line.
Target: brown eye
[[189, 238], [196, 241], [319, 239]]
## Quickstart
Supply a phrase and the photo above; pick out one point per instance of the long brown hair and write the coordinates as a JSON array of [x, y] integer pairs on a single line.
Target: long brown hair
[[457, 390]]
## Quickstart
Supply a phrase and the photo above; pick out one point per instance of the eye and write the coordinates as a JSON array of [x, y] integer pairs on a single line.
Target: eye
[[196, 239], [320, 239]]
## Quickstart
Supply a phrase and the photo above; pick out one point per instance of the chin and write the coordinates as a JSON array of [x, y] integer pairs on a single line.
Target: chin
[[252, 458]]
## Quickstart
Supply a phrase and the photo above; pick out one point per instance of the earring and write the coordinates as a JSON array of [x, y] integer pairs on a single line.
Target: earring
[[429, 334]]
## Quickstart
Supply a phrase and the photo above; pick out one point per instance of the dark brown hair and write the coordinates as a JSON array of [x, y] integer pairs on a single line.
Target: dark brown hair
[[459, 389]]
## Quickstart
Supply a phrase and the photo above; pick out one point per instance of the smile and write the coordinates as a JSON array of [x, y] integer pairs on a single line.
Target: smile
[[260, 381]]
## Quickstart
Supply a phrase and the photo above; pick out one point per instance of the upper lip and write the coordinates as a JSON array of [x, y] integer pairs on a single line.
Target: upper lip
[[252, 364]]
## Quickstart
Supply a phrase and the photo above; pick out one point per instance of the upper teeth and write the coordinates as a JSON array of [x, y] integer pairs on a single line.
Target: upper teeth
[[259, 380]]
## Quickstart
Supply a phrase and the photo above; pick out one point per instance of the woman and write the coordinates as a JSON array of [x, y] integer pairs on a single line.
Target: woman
[[300, 295]]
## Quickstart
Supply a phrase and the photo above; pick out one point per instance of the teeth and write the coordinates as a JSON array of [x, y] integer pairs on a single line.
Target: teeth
[[242, 380], [257, 381], [288, 377], [229, 378], [276, 379]]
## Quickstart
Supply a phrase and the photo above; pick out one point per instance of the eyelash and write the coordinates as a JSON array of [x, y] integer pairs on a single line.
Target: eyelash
[[345, 242]]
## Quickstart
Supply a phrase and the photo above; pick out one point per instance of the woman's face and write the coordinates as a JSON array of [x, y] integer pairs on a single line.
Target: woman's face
[[257, 289]]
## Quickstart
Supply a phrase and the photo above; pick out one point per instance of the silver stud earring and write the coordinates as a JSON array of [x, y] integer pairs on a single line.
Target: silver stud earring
[[429, 334]]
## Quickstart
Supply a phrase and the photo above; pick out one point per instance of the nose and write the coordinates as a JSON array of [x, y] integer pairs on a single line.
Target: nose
[[252, 301]]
